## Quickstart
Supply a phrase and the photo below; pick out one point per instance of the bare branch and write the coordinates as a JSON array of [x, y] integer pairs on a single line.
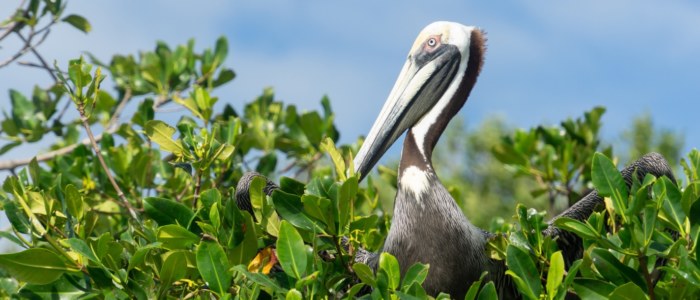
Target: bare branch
[[9, 29], [118, 111], [26, 48], [38, 56]]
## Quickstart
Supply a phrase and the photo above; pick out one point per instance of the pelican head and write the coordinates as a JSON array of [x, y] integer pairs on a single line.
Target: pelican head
[[435, 81]]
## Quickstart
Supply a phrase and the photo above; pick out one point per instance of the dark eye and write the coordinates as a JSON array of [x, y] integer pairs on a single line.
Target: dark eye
[[432, 42]]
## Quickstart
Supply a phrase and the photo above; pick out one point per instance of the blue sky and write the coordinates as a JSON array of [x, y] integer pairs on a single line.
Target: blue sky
[[545, 61]]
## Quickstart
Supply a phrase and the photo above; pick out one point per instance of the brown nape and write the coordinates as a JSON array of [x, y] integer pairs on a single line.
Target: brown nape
[[477, 49]]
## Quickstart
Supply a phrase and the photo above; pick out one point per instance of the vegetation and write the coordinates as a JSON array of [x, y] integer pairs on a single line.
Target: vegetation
[[146, 209]]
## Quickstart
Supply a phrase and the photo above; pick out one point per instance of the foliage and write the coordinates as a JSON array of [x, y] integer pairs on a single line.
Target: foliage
[[643, 138], [146, 208]]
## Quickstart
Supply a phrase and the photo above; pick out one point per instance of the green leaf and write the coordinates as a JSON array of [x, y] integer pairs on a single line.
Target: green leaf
[[583, 230], [260, 279], [244, 239], [290, 208], [162, 134], [78, 22], [613, 270], [354, 290], [74, 202], [346, 195], [221, 49], [365, 274], [292, 186], [225, 75], [173, 269], [609, 182], [291, 250], [329, 147], [166, 211], [36, 265], [319, 208], [81, 247], [17, 218], [389, 265], [475, 287], [144, 113], [588, 288], [176, 237], [672, 206], [555, 274], [416, 273], [213, 266], [267, 163], [488, 292], [521, 264], [628, 291], [293, 294]]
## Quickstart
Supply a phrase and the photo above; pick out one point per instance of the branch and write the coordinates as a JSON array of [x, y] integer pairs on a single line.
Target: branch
[[14, 163], [110, 128], [27, 46], [12, 27], [120, 194], [118, 111], [38, 56]]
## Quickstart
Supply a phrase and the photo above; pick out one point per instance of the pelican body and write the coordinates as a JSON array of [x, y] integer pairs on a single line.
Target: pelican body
[[427, 225]]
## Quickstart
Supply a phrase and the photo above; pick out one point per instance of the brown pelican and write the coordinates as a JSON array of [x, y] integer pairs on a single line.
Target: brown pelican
[[427, 225]]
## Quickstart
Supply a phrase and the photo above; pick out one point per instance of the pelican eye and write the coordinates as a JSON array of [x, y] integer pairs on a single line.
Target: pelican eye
[[432, 42]]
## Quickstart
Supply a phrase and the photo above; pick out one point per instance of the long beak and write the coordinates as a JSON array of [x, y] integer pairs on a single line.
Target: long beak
[[415, 92]]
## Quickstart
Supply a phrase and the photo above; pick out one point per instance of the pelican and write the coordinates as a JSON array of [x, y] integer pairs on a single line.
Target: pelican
[[427, 225]]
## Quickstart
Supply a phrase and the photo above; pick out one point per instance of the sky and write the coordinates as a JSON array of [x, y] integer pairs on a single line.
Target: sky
[[546, 60]]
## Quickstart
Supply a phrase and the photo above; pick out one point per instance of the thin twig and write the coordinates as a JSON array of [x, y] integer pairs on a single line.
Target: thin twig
[[14, 163], [12, 27], [117, 112], [26, 48], [38, 56], [120, 194], [35, 65], [111, 128]]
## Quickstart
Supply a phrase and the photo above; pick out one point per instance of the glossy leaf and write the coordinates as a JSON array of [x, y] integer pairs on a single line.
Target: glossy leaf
[[291, 251], [581, 229], [174, 268], [555, 274], [415, 274], [520, 263], [213, 266], [176, 237], [162, 134], [166, 211], [488, 292], [74, 201], [609, 182], [628, 291], [365, 274], [78, 22], [290, 208], [390, 266], [614, 270], [36, 265], [588, 288]]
